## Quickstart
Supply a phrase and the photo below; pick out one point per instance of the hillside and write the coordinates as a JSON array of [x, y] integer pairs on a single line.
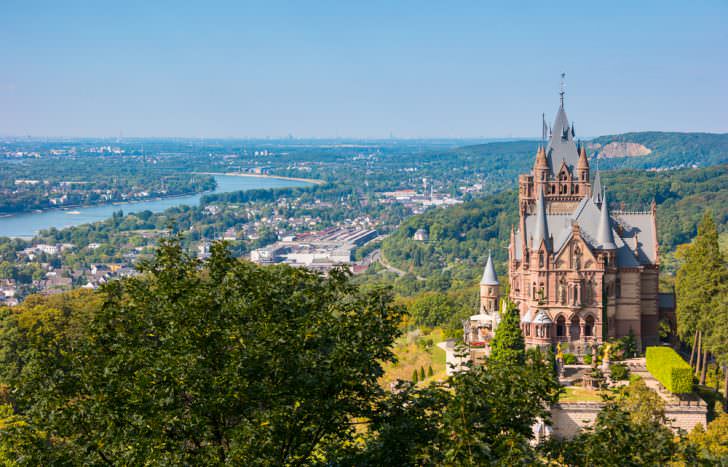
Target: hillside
[[461, 236], [639, 150], [655, 149]]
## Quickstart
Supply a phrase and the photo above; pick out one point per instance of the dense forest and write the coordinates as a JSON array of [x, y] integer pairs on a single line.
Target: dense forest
[[669, 149]]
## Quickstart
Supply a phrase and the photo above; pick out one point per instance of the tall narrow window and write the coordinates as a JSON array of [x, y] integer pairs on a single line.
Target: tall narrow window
[[560, 327], [589, 326]]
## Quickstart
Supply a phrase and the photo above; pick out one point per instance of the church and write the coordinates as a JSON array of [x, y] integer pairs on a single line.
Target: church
[[579, 271]]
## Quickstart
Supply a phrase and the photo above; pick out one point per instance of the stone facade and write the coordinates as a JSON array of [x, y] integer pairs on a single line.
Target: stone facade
[[579, 273]]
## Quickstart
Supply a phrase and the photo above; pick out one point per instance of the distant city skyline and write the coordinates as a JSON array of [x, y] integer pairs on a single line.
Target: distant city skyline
[[371, 70]]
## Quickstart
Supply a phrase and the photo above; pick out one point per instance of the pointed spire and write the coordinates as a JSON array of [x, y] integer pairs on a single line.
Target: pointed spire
[[542, 229], [541, 158], [604, 233], [489, 276], [583, 161], [597, 189]]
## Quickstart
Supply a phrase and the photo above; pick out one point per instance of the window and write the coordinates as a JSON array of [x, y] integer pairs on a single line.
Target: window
[[618, 288], [574, 328], [589, 326], [560, 327], [540, 259]]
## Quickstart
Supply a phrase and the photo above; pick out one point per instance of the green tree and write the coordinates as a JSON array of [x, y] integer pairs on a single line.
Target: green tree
[[700, 281], [202, 363], [643, 404], [508, 345], [713, 442], [422, 373]]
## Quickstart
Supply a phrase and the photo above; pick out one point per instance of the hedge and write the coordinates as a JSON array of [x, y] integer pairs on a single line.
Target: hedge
[[670, 369]]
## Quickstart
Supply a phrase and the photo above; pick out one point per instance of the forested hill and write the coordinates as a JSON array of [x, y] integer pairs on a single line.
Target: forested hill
[[640, 150], [460, 236], [660, 149]]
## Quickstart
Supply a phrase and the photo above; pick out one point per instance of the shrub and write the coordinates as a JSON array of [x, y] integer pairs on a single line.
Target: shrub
[[670, 369], [422, 373], [619, 371], [429, 371], [569, 359], [587, 359], [414, 376]]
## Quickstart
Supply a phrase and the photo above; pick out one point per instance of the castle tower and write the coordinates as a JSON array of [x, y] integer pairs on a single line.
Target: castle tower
[[578, 272], [489, 289], [582, 173], [540, 170]]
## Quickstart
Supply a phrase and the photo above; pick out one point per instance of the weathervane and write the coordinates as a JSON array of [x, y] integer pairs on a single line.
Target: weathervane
[[563, 85]]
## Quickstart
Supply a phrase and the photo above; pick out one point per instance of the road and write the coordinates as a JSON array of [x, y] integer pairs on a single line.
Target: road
[[377, 256]]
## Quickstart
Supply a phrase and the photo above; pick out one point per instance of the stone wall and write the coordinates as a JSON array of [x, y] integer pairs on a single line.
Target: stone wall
[[569, 418]]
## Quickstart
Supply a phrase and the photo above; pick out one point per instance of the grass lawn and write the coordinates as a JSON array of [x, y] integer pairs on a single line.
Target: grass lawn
[[579, 394], [413, 351]]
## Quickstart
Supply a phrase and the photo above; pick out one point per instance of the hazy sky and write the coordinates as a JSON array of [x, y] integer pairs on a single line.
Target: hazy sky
[[361, 69]]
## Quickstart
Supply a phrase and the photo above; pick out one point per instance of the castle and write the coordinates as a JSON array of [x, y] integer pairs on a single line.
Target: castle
[[579, 272]]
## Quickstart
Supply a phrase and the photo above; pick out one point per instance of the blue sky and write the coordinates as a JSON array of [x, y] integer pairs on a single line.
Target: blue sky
[[360, 69]]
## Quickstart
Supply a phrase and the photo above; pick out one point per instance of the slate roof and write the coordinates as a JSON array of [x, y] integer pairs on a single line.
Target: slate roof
[[489, 277], [597, 189], [561, 146], [588, 216]]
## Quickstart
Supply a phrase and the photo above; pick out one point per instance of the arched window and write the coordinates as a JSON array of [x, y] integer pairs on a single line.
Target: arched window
[[540, 259], [589, 326], [574, 328], [577, 258], [560, 326], [533, 291]]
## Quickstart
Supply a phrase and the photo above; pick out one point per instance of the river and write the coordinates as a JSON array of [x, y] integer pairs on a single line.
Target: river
[[28, 224]]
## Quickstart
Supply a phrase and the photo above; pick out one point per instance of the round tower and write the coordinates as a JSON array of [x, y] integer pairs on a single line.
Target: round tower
[[489, 289]]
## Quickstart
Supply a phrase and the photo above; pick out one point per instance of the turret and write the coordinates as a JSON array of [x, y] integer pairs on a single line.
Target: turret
[[489, 288], [582, 167], [540, 168]]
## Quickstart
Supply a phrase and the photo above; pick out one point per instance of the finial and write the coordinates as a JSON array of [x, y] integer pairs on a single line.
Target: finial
[[563, 86]]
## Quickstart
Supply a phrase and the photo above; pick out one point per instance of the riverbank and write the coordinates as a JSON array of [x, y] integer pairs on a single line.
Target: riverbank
[[70, 208], [279, 177], [30, 223]]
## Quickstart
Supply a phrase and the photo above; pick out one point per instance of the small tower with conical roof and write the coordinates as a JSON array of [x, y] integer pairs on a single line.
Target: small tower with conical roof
[[582, 171], [489, 289], [540, 169]]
